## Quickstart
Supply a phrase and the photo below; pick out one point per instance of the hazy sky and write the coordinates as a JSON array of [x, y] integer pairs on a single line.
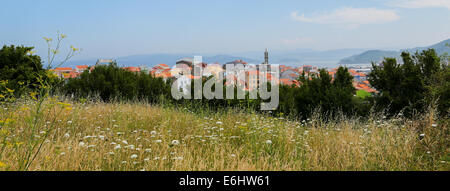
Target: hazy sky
[[113, 28]]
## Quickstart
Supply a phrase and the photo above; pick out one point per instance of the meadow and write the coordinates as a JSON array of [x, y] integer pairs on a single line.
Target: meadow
[[59, 135]]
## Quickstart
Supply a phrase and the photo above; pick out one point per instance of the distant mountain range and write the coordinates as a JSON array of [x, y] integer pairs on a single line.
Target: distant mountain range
[[327, 58], [154, 59], [298, 57], [379, 55]]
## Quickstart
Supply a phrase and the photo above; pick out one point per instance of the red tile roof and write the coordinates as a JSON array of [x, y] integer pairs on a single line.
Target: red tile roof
[[63, 69], [132, 69], [82, 66]]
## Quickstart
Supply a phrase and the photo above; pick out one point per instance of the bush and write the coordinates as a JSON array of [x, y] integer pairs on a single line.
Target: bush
[[22, 70], [412, 86], [111, 82], [331, 96]]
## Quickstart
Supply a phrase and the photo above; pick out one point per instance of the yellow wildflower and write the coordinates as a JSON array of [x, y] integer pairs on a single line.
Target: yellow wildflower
[[64, 104], [2, 165], [9, 90], [33, 95], [74, 49], [48, 39], [24, 109], [31, 52], [6, 121], [4, 132], [243, 128]]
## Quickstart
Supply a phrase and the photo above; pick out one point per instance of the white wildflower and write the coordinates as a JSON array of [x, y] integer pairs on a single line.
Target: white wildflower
[[175, 142], [130, 147], [178, 158]]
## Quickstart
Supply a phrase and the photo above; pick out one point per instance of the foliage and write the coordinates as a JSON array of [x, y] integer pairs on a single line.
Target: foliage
[[24, 72], [363, 94], [412, 86], [331, 96], [111, 82], [21, 69]]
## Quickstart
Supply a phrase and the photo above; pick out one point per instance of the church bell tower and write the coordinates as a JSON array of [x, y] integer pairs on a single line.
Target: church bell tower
[[266, 57]]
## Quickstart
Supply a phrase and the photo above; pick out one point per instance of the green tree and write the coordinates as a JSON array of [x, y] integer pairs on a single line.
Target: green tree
[[409, 87], [321, 92], [112, 82], [20, 68]]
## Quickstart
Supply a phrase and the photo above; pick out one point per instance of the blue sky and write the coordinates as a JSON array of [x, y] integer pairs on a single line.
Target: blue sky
[[114, 28]]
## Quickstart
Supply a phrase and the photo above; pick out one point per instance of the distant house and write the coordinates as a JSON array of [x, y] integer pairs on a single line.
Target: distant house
[[160, 67], [184, 82], [213, 70], [235, 64], [132, 69], [185, 62], [253, 79], [81, 68], [144, 69], [289, 74], [307, 68], [289, 82], [359, 77], [65, 72]]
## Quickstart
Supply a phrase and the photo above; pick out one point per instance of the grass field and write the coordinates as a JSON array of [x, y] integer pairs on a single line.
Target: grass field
[[363, 94], [137, 136]]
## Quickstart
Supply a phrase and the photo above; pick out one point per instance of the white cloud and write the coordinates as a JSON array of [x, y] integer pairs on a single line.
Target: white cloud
[[414, 4], [350, 16]]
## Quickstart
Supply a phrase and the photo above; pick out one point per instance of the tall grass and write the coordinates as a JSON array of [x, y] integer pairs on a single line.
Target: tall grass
[[91, 136]]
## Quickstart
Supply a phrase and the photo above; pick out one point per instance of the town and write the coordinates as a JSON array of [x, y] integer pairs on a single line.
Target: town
[[288, 75]]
